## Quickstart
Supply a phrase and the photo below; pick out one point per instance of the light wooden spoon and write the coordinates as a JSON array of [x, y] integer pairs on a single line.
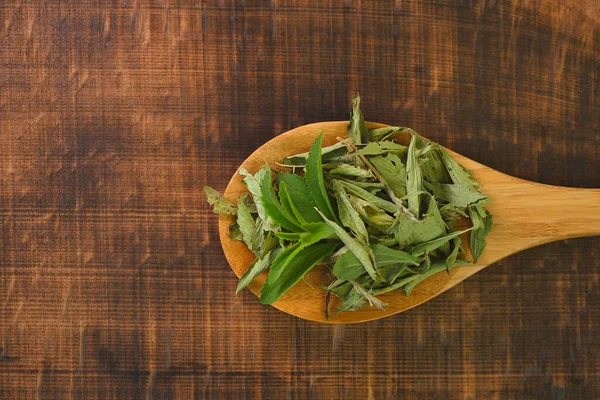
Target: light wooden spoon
[[526, 214]]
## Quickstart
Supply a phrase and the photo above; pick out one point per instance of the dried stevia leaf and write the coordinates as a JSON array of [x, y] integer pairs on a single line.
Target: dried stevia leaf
[[219, 203]]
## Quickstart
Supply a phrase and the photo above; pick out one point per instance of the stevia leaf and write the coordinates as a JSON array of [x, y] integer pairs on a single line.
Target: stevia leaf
[[372, 187], [219, 203], [317, 231], [337, 150], [428, 155], [382, 148], [269, 242], [356, 190], [454, 194], [451, 213], [396, 285], [357, 129], [408, 232], [348, 215], [251, 236], [256, 268], [272, 206], [434, 269], [291, 236], [481, 228], [298, 265], [315, 181], [348, 171], [391, 168], [458, 174], [372, 300], [301, 200], [378, 134], [434, 244], [347, 266], [286, 204], [283, 259], [253, 183], [414, 180], [375, 216], [235, 233], [353, 301], [451, 259], [362, 252], [248, 202]]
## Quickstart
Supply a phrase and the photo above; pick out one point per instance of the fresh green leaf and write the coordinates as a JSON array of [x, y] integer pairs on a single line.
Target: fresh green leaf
[[298, 265], [286, 203], [272, 206], [315, 181], [301, 200], [219, 203], [357, 129]]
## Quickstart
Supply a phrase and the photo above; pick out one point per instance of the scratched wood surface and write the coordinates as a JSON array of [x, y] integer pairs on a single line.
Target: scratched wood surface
[[113, 115]]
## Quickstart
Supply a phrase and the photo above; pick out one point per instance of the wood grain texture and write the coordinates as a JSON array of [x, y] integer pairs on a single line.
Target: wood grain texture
[[526, 214], [114, 114]]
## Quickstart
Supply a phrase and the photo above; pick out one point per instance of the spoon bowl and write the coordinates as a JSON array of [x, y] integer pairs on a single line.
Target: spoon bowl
[[526, 214]]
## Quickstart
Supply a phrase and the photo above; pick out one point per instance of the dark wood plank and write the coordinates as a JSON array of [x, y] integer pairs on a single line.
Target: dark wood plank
[[113, 115]]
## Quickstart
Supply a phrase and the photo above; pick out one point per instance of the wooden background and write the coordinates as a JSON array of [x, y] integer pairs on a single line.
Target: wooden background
[[114, 114]]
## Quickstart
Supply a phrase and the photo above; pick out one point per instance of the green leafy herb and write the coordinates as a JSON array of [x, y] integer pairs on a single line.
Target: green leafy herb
[[302, 262], [482, 223], [258, 266], [414, 179], [393, 171], [360, 250], [272, 206], [381, 148], [315, 181], [382, 215], [357, 129], [219, 203], [378, 134], [348, 215], [348, 171]]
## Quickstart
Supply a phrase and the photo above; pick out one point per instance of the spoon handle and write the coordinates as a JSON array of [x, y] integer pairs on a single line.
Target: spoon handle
[[540, 214]]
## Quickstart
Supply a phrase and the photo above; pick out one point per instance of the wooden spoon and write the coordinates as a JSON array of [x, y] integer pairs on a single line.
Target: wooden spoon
[[526, 214]]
